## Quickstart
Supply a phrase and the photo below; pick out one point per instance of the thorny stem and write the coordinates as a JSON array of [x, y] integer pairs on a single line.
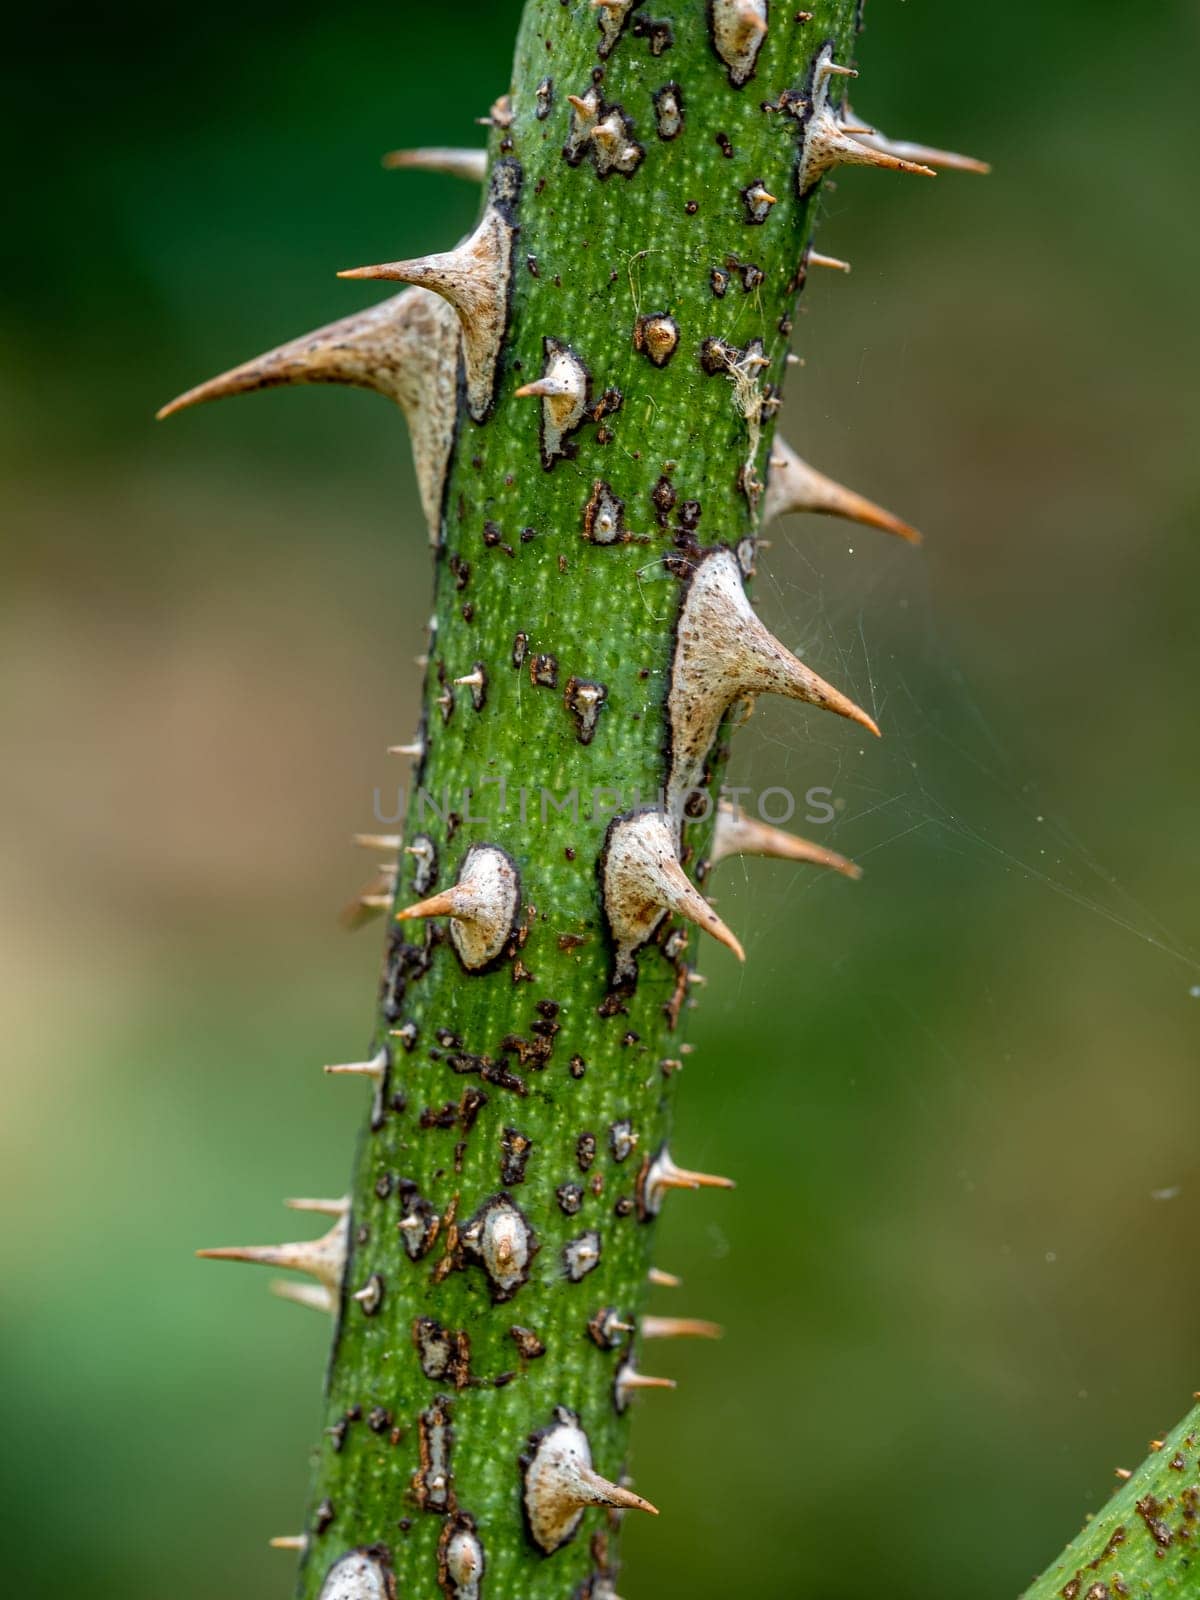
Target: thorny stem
[[535, 1080], [620, 324], [1146, 1540]]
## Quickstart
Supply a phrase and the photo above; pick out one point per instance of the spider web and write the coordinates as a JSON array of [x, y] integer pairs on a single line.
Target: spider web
[[951, 776]]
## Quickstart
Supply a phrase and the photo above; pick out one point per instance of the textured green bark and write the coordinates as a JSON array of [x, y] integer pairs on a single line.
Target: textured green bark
[[592, 256], [1146, 1541]]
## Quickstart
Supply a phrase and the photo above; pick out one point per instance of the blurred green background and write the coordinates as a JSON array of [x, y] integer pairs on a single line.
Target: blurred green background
[[961, 1099]]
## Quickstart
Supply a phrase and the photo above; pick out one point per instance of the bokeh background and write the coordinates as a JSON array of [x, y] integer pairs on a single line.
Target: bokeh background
[[959, 1273]]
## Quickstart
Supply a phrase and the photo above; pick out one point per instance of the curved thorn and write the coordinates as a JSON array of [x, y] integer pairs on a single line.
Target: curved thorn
[[793, 485]]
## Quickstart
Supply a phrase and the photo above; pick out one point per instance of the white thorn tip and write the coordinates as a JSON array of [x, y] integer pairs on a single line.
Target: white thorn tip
[[374, 1069]]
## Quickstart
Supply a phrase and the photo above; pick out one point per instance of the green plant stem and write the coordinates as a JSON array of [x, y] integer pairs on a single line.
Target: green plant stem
[[1146, 1540], [539, 1055]]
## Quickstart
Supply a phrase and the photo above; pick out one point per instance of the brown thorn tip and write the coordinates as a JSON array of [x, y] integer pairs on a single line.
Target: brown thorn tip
[[386, 269], [794, 485], [737, 834], [680, 1328], [824, 695], [664, 1280], [717, 928], [622, 1497], [438, 905]]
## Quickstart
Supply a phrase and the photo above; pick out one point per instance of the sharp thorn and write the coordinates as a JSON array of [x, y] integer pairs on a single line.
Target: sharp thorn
[[680, 1328], [793, 485], [445, 904], [454, 162], [375, 1068], [323, 1259], [326, 1208], [737, 834], [313, 1295], [814, 258]]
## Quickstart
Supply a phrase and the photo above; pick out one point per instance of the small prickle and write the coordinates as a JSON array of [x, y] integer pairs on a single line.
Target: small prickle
[[679, 1328], [456, 163], [661, 1173], [375, 1069], [627, 1380], [814, 258], [564, 389], [501, 1240]]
